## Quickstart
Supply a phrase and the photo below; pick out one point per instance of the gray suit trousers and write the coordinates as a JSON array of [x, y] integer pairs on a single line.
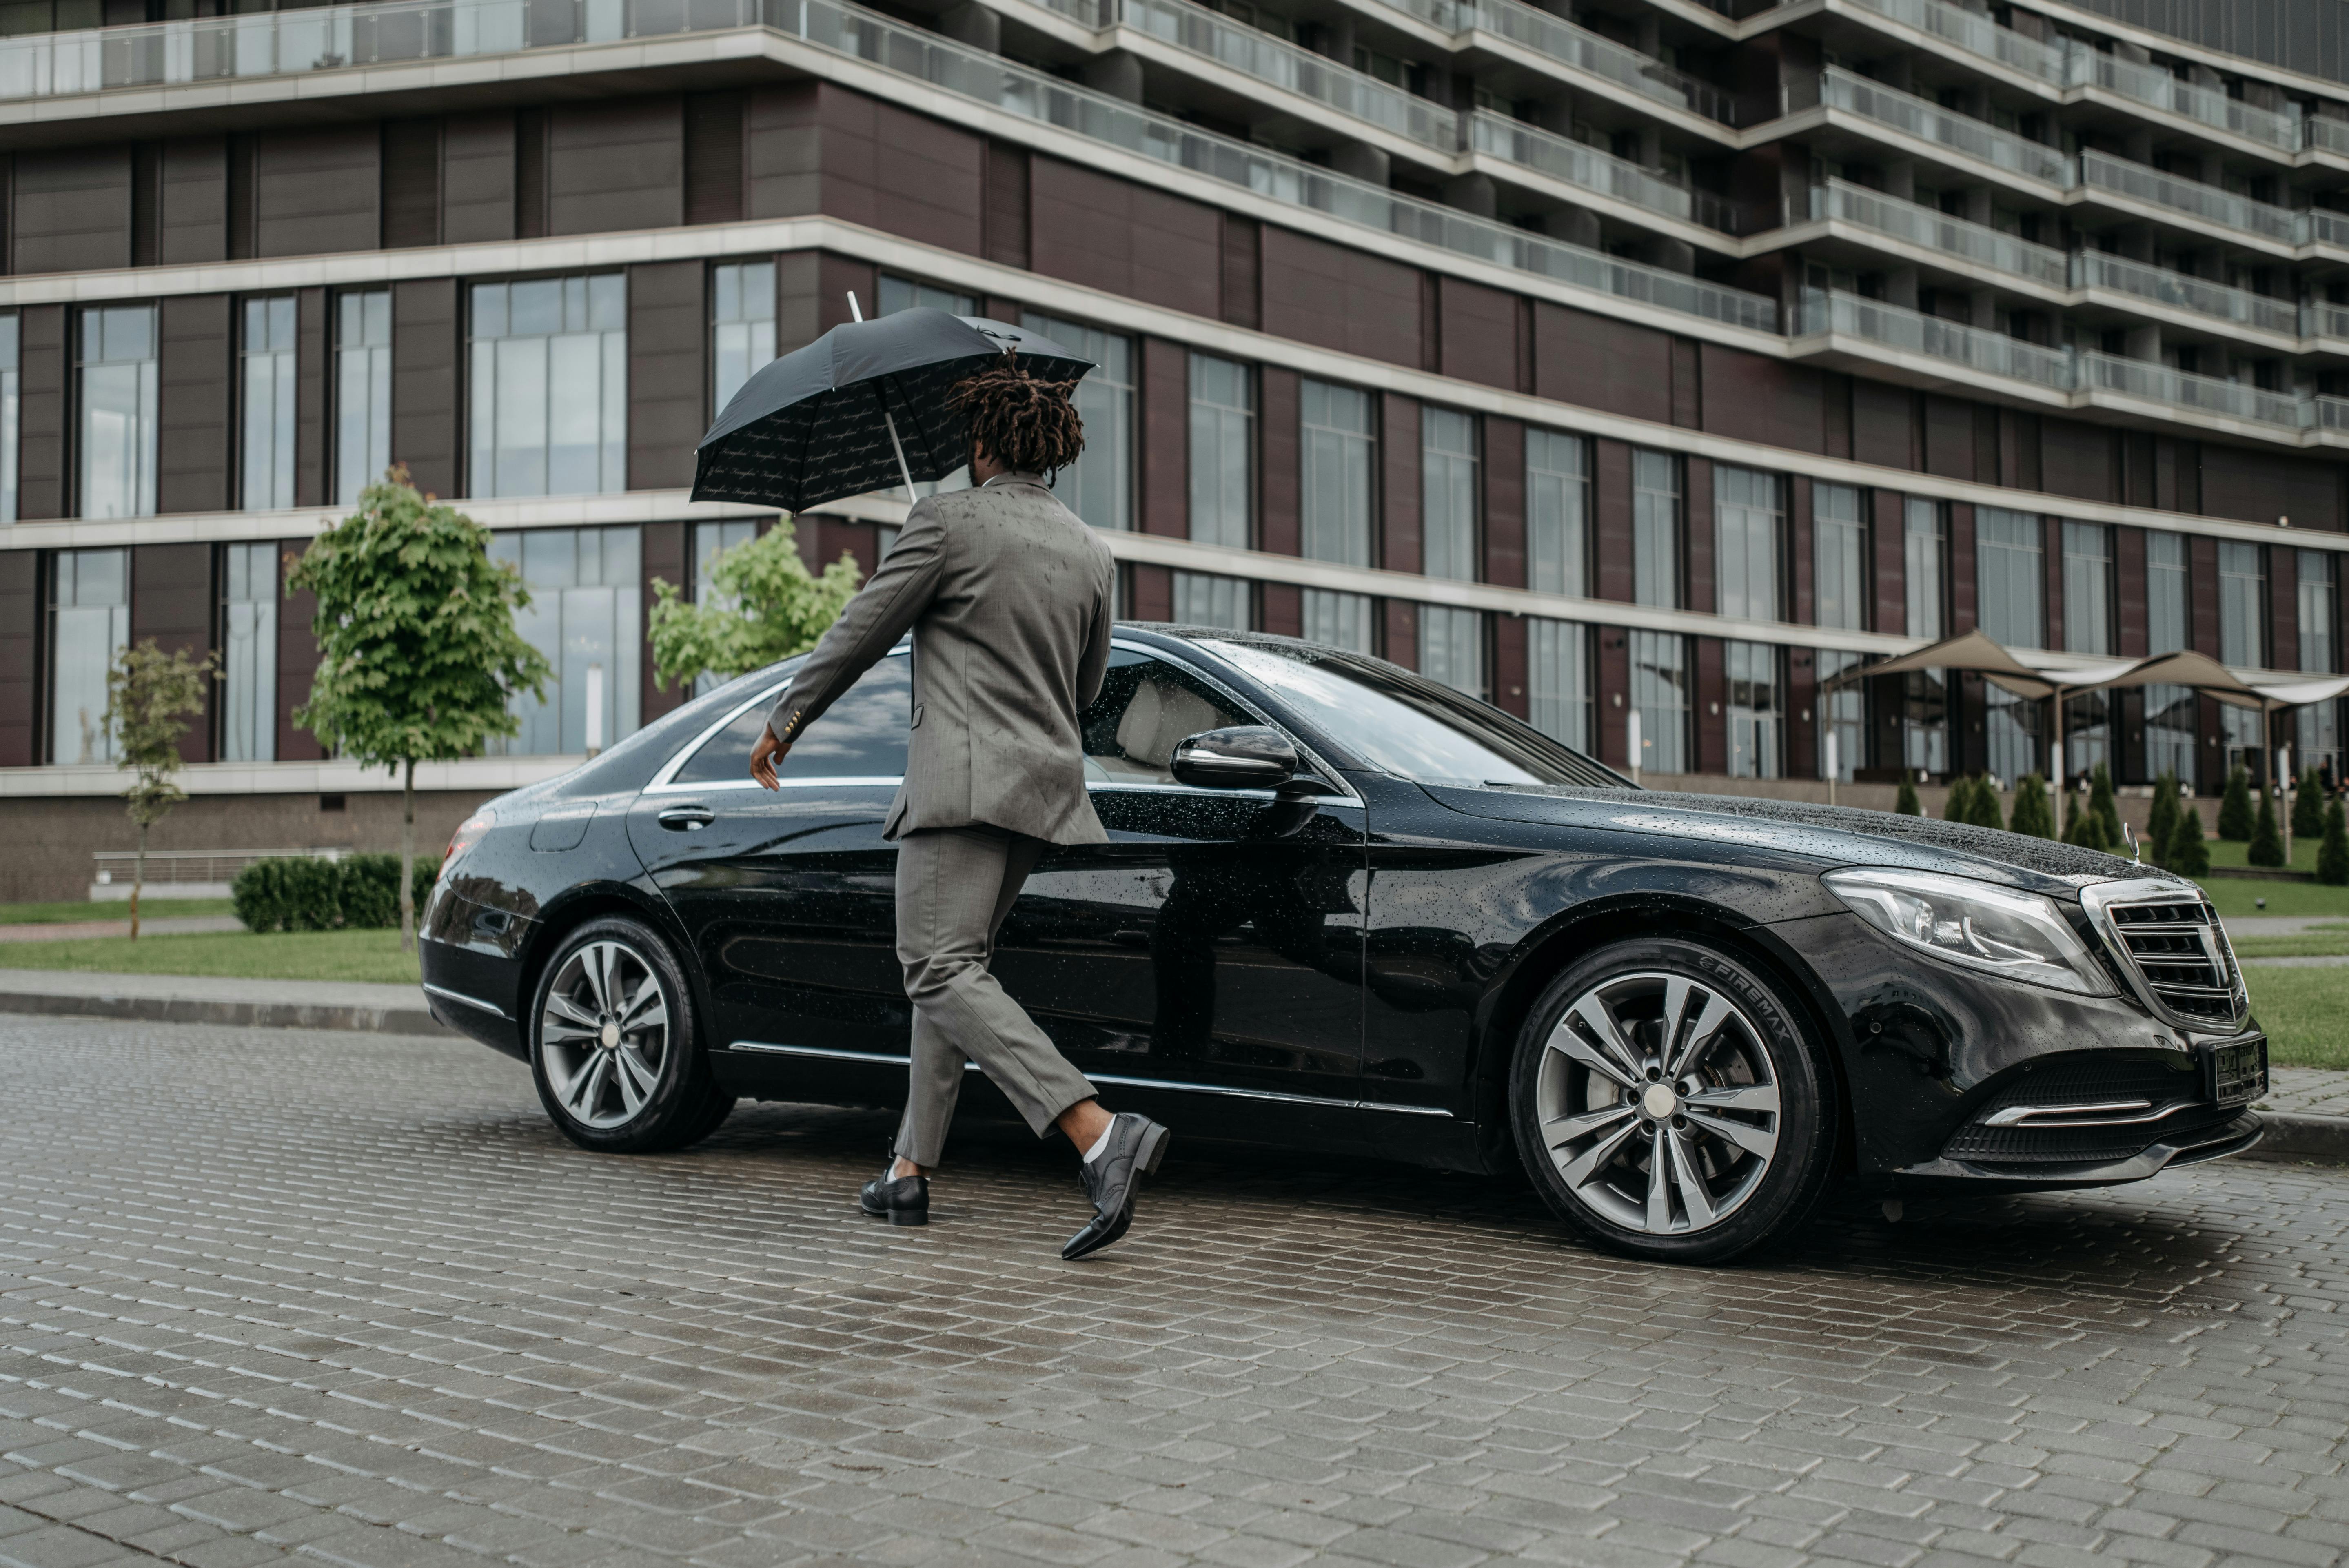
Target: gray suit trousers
[[955, 885]]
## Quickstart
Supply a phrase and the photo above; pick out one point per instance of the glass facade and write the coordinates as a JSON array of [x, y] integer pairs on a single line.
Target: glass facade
[[1660, 691], [248, 644], [90, 622], [1838, 559], [903, 293], [2169, 710], [1925, 704], [1558, 680], [2319, 611], [1339, 459], [362, 391], [1203, 599], [10, 416], [1748, 519], [1656, 530], [2242, 605], [1099, 486], [267, 370], [1557, 514], [1452, 647], [1756, 710], [1223, 453], [1447, 484], [550, 387], [586, 589], [2087, 588], [741, 326], [118, 386], [1340, 620], [2010, 554], [1843, 714]]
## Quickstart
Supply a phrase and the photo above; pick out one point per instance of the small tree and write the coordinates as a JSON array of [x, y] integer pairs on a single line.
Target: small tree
[[1960, 805], [1906, 804], [2332, 854], [2031, 811], [765, 605], [150, 697], [2308, 805], [2162, 819], [2189, 855], [2267, 838], [2105, 807], [2087, 829], [418, 653], [1983, 810], [2236, 819]]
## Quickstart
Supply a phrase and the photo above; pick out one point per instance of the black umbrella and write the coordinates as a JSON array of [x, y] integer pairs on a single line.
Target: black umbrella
[[861, 407]]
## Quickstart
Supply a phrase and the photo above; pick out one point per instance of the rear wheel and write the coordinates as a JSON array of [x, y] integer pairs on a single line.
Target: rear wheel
[[1668, 1103], [614, 1049]]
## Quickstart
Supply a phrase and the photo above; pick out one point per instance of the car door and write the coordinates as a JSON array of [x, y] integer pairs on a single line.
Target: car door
[[1213, 946], [788, 896]]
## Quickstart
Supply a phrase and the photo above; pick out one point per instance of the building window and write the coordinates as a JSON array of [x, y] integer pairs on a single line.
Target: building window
[[1557, 514], [1924, 717], [1843, 715], [904, 293], [2012, 732], [2087, 588], [1840, 559], [362, 392], [1452, 647], [248, 641], [1340, 620], [1757, 711], [1223, 453], [550, 387], [1558, 680], [1099, 486], [2242, 605], [267, 367], [1203, 599], [1447, 488], [1749, 518], [2317, 611], [1659, 692], [117, 411], [1656, 531], [9, 415], [2009, 550], [709, 539], [586, 616], [2169, 710], [1339, 460], [741, 326], [89, 622]]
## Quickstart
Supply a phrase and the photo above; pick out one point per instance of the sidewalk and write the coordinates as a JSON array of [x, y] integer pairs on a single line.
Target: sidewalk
[[150, 925], [202, 999]]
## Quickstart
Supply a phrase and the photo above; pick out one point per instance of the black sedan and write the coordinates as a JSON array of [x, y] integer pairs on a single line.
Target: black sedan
[[1345, 908]]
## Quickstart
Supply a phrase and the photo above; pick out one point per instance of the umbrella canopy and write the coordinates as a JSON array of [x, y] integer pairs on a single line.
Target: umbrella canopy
[[815, 425], [1968, 651]]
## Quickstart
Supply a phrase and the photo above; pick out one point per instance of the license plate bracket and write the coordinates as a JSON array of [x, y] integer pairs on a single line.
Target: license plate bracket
[[2235, 1072]]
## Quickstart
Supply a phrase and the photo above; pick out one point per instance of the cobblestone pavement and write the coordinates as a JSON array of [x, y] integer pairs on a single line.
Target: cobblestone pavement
[[2310, 1091], [267, 1293]]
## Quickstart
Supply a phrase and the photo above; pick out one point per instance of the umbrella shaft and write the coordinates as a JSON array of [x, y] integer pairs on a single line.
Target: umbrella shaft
[[900, 448]]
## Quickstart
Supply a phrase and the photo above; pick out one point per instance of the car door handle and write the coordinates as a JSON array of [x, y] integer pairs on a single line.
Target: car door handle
[[687, 818]]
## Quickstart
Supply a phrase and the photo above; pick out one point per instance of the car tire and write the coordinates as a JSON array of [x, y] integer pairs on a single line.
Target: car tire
[[1670, 1104], [614, 1046]]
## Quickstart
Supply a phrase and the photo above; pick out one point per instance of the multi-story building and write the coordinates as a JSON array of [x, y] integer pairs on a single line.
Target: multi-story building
[[1627, 355]]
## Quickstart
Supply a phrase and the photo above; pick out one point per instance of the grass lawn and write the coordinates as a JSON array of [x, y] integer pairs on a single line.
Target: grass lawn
[[2317, 941], [2229, 853], [84, 909], [2235, 899], [239, 954], [2302, 1012]]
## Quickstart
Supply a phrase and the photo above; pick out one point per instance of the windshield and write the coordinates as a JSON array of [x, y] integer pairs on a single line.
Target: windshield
[[1412, 727]]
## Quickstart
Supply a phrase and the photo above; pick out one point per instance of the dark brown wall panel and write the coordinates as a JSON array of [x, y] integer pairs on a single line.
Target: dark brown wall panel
[[811, 295], [1282, 609], [1398, 630], [1801, 558], [1610, 497], [663, 557], [411, 182], [1802, 726], [668, 374], [297, 662], [2262, 486], [1276, 516], [1510, 658], [817, 148], [312, 349], [782, 152], [477, 178], [72, 209], [1688, 384], [317, 190], [2202, 592], [1109, 234], [1948, 437], [1883, 425], [1149, 593], [196, 392], [2051, 569], [1961, 568], [2076, 459], [1602, 363], [427, 344], [1752, 398], [1700, 589], [2130, 633], [1614, 685], [1242, 292], [615, 165], [1004, 215], [20, 622], [1400, 533], [41, 440], [714, 190], [171, 602], [194, 221], [1890, 540], [1165, 436], [2283, 609], [1711, 691], [1477, 333], [1504, 475], [1339, 297]]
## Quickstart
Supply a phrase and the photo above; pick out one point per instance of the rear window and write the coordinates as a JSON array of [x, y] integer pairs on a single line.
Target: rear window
[[861, 735]]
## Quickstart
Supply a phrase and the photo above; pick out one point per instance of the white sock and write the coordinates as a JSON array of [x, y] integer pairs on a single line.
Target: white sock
[[1101, 1142]]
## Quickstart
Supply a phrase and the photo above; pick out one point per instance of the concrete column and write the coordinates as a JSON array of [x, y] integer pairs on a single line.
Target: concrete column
[[1573, 226], [975, 24], [1116, 73], [1360, 160], [1900, 287], [1983, 311], [2137, 144], [1336, 39], [1672, 255], [1473, 192], [1978, 200], [2144, 343], [1554, 112], [1900, 177], [1651, 147]]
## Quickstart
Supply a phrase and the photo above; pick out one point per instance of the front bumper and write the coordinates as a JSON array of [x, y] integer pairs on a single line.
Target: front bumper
[[2212, 1136]]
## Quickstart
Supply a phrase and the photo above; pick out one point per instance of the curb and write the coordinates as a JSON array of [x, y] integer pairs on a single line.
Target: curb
[[2292, 1135], [243, 1015]]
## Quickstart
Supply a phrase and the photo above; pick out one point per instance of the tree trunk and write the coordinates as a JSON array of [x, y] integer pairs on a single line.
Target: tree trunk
[[408, 859], [137, 880]]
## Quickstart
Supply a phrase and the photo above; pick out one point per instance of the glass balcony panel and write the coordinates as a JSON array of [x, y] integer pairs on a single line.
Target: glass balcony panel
[[2320, 319], [1255, 53], [2140, 183], [1597, 171], [1926, 121], [2321, 227], [1938, 231], [2204, 393], [1913, 332], [2094, 269], [2157, 89], [2325, 133], [1561, 40], [1977, 34]]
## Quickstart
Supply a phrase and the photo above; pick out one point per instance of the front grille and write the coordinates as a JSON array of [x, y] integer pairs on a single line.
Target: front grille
[[2178, 949]]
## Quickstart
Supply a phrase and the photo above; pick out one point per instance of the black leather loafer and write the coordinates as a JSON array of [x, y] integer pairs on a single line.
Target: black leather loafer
[[900, 1199], [1136, 1145]]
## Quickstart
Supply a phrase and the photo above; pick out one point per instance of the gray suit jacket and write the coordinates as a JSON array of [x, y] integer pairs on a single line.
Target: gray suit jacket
[[1007, 596]]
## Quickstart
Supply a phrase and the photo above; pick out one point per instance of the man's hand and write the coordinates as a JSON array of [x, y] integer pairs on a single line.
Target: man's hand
[[764, 754]]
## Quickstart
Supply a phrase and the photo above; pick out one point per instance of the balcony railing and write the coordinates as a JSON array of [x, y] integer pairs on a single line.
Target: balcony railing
[[2140, 183], [2320, 226], [2326, 133], [1258, 54], [1926, 121], [1913, 332], [1938, 231], [2319, 318], [1975, 34], [1584, 50], [2157, 89], [2094, 269], [2204, 394], [1602, 173]]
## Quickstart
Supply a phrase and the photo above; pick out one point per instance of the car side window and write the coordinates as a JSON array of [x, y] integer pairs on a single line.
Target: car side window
[[861, 735], [1147, 707]]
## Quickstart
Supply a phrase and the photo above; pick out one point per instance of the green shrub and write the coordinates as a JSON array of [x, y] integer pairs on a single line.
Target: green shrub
[[2086, 828], [2108, 810], [2162, 820], [2189, 856], [2031, 813], [1984, 810], [370, 889], [2308, 805], [258, 896], [1959, 806], [314, 894], [304, 892], [2236, 821], [2332, 854], [1907, 806], [2267, 839]]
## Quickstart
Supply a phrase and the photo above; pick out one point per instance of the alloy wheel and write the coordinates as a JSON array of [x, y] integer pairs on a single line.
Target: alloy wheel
[[604, 1035], [1657, 1103]]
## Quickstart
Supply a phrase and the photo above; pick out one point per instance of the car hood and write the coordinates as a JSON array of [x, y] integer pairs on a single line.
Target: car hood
[[1838, 835]]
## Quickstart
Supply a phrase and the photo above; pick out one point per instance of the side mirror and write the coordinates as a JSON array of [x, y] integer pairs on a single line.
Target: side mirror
[[1245, 756]]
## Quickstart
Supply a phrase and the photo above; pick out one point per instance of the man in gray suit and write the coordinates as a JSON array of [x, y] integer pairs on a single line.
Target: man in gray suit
[[1007, 596]]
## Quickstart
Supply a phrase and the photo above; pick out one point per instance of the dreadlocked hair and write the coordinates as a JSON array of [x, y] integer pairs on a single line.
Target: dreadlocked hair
[[1026, 424]]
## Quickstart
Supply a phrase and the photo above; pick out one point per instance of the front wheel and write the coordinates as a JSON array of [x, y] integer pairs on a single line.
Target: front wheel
[[613, 1049], [1669, 1105]]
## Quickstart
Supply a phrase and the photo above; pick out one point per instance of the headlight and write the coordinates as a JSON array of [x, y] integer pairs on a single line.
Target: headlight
[[2020, 936]]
